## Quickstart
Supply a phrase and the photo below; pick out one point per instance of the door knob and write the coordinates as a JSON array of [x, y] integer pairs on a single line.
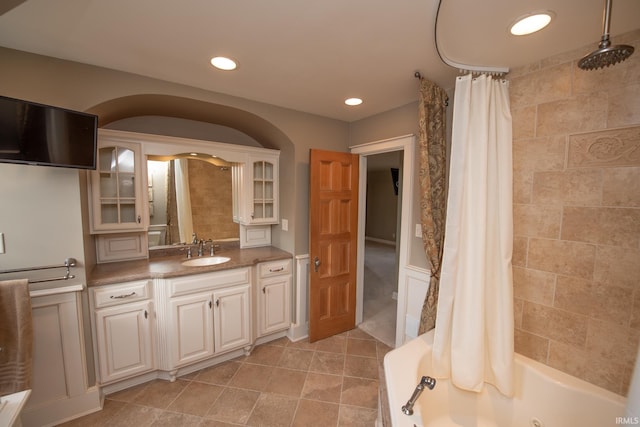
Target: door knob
[[316, 264]]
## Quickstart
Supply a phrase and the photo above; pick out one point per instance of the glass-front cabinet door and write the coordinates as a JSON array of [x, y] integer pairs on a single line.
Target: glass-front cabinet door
[[116, 189], [264, 198]]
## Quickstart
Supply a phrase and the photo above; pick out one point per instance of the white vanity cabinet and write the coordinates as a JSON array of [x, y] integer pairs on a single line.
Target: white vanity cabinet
[[123, 316], [115, 187], [169, 326], [232, 318], [274, 296], [255, 190], [264, 190], [118, 217], [209, 314], [191, 328]]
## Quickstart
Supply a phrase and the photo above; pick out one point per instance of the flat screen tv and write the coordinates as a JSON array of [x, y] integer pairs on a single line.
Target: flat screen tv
[[37, 134]]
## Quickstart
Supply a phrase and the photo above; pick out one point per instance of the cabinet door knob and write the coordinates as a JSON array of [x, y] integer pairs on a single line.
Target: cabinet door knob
[[316, 264], [146, 314], [139, 219], [264, 290], [210, 305], [218, 302]]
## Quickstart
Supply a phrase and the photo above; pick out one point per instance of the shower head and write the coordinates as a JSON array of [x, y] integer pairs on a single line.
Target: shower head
[[606, 54]]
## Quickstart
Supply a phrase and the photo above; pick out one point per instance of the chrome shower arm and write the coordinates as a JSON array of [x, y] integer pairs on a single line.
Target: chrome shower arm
[[606, 19]]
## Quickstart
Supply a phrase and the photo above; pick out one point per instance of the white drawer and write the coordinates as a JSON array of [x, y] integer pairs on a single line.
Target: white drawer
[[203, 282], [274, 268], [105, 296]]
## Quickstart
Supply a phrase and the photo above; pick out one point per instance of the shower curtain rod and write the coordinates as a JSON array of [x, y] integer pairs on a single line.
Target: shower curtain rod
[[465, 68], [418, 76]]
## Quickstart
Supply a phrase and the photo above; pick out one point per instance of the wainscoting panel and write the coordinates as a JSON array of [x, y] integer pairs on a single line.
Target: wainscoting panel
[[415, 286], [300, 315]]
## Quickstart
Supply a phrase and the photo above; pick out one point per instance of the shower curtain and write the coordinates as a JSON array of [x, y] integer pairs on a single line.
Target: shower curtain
[[183, 200], [473, 341]]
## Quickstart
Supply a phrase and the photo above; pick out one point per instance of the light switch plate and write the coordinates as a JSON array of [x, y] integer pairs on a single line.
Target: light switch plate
[[1, 243], [418, 230], [285, 225]]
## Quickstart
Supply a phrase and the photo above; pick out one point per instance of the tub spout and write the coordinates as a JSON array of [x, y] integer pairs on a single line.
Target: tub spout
[[426, 381]]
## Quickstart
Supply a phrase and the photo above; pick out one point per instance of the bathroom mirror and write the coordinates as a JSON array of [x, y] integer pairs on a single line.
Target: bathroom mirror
[[189, 193]]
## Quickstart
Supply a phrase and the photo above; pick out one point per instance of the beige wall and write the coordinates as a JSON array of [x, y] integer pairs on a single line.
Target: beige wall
[[576, 155], [397, 122], [382, 214], [42, 224]]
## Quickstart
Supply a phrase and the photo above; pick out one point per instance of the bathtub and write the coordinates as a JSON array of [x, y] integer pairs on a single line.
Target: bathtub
[[10, 407], [544, 397]]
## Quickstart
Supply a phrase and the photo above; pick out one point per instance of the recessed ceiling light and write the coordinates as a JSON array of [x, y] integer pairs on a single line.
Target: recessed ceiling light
[[353, 101], [223, 63], [531, 23]]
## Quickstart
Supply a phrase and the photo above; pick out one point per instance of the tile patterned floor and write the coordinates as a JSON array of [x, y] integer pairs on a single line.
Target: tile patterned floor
[[333, 382]]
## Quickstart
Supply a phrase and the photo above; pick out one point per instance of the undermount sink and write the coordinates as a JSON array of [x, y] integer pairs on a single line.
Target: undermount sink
[[199, 262]]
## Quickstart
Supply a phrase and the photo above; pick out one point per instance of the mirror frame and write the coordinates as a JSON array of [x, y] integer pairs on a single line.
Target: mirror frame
[[161, 145]]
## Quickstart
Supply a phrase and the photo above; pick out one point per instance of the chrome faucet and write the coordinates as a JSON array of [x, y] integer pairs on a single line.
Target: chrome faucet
[[426, 381], [201, 245], [211, 247]]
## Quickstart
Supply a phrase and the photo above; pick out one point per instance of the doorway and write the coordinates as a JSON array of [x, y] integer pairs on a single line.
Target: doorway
[[403, 148], [380, 284]]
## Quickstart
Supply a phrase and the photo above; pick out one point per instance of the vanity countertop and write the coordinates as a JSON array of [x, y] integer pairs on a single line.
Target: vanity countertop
[[171, 265]]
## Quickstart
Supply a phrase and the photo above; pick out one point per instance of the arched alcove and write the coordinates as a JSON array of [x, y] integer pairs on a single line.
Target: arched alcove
[[256, 127], [192, 109]]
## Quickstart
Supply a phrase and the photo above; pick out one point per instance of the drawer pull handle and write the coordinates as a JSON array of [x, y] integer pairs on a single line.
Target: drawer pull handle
[[123, 295], [275, 270]]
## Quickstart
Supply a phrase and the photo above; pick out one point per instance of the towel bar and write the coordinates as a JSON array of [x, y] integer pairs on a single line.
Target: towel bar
[[68, 263]]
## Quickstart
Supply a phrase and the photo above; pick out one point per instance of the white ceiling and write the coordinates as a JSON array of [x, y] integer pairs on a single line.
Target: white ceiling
[[302, 54]]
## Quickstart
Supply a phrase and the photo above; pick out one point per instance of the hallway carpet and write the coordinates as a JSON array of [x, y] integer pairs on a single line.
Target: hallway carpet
[[380, 283]]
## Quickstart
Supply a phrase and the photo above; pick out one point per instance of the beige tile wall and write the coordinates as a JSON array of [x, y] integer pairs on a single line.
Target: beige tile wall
[[576, 160], [211, 201]]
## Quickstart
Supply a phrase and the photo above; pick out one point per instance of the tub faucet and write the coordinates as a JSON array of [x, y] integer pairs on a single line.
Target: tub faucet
[[424, 382]]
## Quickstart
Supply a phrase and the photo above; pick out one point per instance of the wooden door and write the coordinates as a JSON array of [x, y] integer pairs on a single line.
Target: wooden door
[[333, 220]]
